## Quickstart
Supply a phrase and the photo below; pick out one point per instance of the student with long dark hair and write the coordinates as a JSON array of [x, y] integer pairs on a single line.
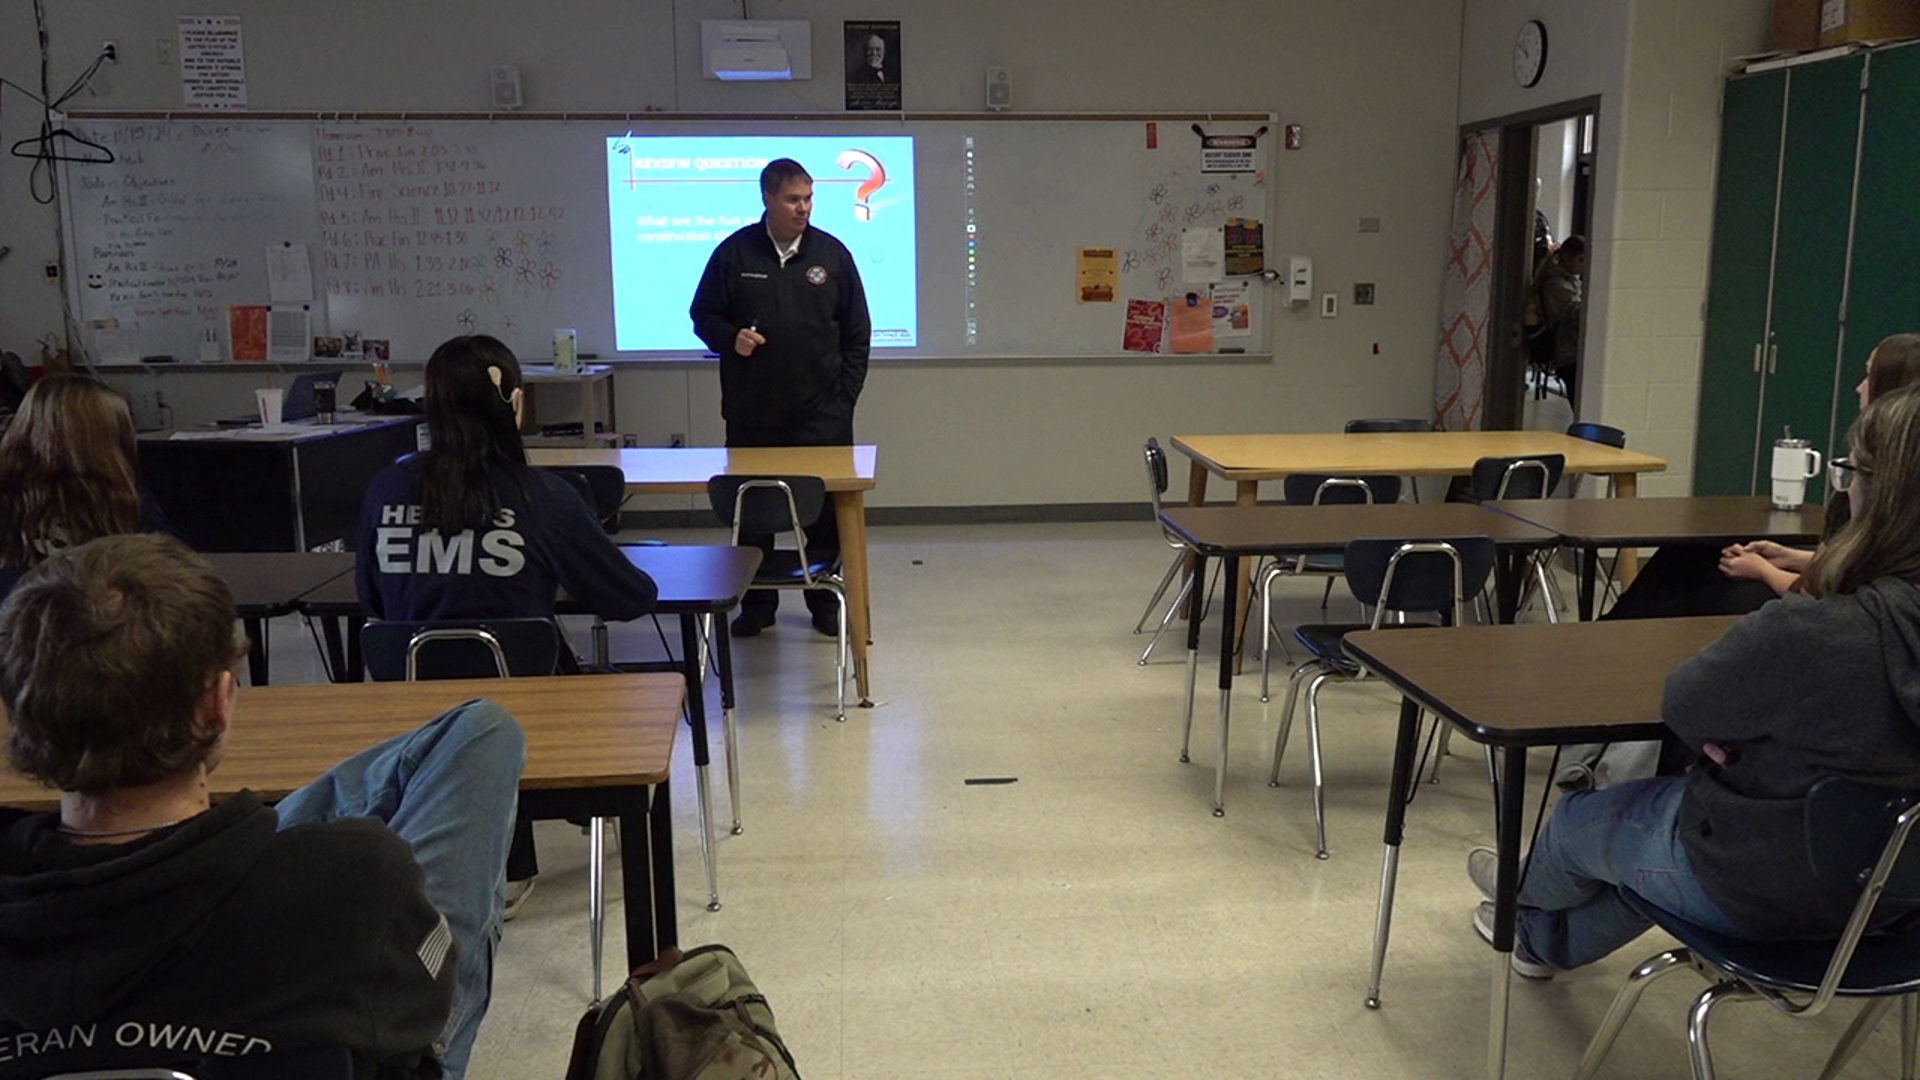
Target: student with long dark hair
[[69, 473], [467, 530], [1825, 682]]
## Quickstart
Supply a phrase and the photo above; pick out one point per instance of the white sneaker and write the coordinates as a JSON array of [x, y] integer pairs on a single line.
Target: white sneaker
[[1483, 869], [517, 893], [1523, 965]]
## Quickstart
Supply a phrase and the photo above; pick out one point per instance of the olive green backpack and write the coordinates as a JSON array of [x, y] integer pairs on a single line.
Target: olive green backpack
[[686, 1016]]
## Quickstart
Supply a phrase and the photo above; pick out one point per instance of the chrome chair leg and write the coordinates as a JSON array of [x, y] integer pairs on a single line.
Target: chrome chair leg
[[841, 656], [1266, 626], [1186, 726], [1856, 1034], [1546, 590], [1623, 1003], [1186, 589], [1286, 716], [596, 895], [733, 767], [1441, 749], [1166, 579], [1698, 1051], [1319, 777]]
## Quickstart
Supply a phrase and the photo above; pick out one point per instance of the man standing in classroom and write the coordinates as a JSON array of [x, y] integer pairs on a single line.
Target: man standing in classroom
[[782, 306]]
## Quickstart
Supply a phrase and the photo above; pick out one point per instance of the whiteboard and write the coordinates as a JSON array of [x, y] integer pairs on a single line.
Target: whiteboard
[[419, 229]]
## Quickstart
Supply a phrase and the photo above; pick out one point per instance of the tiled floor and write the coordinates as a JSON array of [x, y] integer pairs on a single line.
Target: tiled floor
[[1092, 919]]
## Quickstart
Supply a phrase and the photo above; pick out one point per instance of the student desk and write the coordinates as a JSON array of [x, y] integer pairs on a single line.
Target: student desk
[[1592, 524], [1605, 686], [1248, 459], [847, 470], [271, 583], [694, 581], [597, 746], [1235, 532]]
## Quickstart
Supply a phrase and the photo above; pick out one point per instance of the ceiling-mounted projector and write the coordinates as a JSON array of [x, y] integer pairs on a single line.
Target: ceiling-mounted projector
[[736, 50]]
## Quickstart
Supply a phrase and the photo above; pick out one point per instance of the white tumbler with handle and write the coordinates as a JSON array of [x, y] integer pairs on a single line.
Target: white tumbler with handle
[[1795, 461]]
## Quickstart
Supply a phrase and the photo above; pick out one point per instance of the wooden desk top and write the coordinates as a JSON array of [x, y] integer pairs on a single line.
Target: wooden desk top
[[269, 582], [1717, 519], [1540, 684], [1275, 530], [1397, 453], [685, 470], [583, 731]]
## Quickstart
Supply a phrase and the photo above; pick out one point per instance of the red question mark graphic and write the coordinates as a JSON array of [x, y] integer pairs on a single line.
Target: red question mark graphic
[[876, 176]]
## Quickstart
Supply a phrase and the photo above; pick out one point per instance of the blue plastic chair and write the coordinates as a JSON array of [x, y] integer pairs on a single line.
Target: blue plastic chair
[[1856, 839]]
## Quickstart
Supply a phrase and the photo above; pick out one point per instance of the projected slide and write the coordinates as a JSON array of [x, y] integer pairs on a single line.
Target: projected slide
[[672, 198]]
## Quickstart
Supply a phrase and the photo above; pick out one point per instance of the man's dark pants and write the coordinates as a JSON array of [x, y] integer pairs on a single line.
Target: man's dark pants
[[823, 534]]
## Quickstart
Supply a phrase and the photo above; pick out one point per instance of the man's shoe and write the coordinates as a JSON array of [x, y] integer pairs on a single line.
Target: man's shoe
[[827, 622], [517, 893], [1483, 869], [1523, 965], [750, 623]]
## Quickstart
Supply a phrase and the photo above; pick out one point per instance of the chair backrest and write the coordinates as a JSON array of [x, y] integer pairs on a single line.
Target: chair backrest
[[1356, 427], [1314, 489], [1857, 838], [1532, 476], [1416, 576], [319, 1063], [767, 504], [460, 649], [603, 486], [1600, 433], [1156, 473]]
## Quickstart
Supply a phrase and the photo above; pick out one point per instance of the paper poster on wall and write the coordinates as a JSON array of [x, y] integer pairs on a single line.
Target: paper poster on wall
[[1246, 246], [1146, 324], [247, 331], [873, 64], [1229, 153], [1192, 323], [1099, 275], [213, 66], [1231, 315], [1203, 257], [289, 274]]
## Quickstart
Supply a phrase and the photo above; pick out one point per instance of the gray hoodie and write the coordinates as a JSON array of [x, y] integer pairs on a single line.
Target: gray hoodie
[[1804, 689]]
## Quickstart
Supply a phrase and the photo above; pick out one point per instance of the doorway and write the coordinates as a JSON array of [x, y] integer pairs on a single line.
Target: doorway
[[1544, 198]]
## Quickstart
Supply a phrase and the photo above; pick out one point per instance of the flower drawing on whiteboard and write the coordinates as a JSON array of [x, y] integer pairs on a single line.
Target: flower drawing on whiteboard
[[544, 242], [503, 258], [1235, 202], [522, 240], [1168, 214], [1131, 262], [1164, 278], [508, 323], [1158, 194], [523, 271], [467, 320], [549, 276], [1213, 188], [490, 289]]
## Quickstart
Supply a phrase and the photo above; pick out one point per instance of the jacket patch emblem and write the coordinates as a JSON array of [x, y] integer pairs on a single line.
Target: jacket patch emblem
[[817, 275]]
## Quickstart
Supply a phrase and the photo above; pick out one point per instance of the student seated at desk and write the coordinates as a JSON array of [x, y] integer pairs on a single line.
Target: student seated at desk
[[141, 926], [1816, 685], [1700, 579], [466, 530], [70, 472]]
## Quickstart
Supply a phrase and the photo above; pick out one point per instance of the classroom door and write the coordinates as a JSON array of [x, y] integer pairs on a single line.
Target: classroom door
[[1739, 283], [1883, 292]]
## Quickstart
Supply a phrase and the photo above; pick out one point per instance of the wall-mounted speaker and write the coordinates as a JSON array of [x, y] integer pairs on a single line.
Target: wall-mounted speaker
[[999, 89], [505, 81]]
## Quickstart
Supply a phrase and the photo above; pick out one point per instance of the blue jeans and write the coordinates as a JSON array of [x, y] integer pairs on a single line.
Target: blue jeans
[[449, 789], [1571, 912]]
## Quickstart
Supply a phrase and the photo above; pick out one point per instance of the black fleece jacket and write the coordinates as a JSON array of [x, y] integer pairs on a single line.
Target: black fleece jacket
[[813, 313], [218, 937]]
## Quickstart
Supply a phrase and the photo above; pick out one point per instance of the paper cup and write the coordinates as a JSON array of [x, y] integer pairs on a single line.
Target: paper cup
[[269, 400]]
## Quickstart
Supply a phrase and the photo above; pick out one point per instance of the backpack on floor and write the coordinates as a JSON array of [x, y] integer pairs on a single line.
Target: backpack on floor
[[685, 1016]]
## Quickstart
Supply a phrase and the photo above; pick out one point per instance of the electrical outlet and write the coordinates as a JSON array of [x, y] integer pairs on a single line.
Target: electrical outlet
[[678, 438], [1362, 293], [1329, 305], [110, 52]]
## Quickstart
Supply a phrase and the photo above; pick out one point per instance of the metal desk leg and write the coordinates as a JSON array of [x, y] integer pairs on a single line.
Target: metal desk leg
[[1229, 574], [256, 650], [1196, 610], [723, 660], [697, 715], [1513, 792], [1404, 747], [1589, 572], [597, 896], [335, 649]]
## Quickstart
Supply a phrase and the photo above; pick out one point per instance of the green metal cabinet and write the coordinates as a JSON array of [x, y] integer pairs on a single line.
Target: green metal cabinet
[[1778, 275]]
